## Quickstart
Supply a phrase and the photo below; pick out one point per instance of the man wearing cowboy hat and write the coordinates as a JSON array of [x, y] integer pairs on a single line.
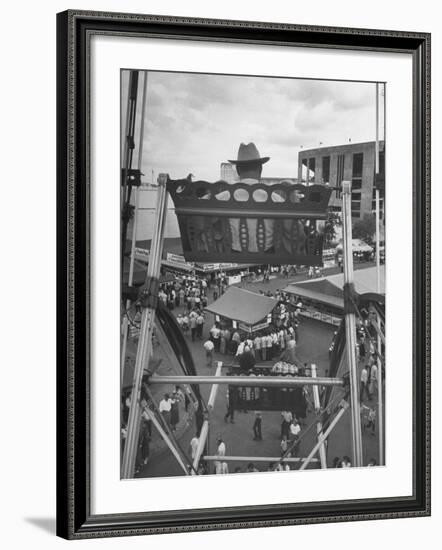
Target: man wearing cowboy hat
[[249, 163]]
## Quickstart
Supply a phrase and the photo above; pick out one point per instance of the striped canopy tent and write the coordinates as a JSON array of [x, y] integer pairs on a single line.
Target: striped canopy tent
[[329, 290]]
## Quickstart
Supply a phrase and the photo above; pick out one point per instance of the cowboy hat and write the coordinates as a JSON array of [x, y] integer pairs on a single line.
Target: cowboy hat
[[248, 154]]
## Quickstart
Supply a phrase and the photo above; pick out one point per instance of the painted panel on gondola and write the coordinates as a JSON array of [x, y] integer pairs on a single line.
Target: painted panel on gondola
[[253, 398], [251, 223]]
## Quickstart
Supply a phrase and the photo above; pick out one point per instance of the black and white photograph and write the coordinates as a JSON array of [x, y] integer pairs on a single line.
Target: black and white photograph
[[253, 256]]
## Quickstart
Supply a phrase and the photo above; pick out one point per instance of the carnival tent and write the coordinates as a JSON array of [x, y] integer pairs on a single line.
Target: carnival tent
[[357, 245], [329, 290], [243, 306]]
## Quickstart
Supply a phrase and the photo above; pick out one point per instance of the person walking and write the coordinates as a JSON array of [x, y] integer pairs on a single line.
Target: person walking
[[174, 411], [193, 325], [226, 336], [209, 347], [165, 407], [235, 341], [364, 384], [215, 333], [230, 402], [371, 419], [222, 343], [373, 383], [199, 325], [246, 360], [287, 418], [220, 452], [143, 446], [257, 427]]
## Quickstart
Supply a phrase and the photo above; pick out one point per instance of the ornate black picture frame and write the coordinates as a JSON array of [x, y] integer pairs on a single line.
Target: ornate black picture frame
[[74, 32]]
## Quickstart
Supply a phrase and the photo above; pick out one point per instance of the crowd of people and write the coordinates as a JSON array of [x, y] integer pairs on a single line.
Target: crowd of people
[[171, 407], [289, 446], [188, 296]]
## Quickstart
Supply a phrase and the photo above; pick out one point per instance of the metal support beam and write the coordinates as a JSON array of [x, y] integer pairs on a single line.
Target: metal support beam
[[165, 438], [125, 328], [377, 326], [204, 433], [144, 349], [317, 404], [266, 381], [380, 404], [201, 443], [213, 458], [324, 436], [214, 389], [350, 323], [377, 323]]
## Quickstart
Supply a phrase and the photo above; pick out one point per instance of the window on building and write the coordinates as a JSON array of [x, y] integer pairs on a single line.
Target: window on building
[[382, 163], [358, 161], [381, 205], [326, 169], [311, 170], [356, 182], [339, 174]]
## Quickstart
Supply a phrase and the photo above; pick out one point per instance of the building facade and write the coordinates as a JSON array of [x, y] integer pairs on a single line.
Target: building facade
[[353, 162]]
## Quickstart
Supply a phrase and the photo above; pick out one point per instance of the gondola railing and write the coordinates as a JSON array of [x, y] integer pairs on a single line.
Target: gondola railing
[[251, 223]]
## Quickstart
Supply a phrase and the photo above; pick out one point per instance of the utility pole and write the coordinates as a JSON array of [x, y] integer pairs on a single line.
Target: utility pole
[[350, 323], [134, 227]]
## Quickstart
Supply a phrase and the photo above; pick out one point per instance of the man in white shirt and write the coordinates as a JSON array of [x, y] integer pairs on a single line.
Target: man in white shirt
[[165, 407], [295, 428], [209, 347]]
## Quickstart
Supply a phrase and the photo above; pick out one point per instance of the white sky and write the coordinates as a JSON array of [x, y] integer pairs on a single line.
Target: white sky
[[193, 122]]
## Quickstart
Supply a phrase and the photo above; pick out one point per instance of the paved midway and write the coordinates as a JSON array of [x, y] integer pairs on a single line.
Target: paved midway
[[314, 340]]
